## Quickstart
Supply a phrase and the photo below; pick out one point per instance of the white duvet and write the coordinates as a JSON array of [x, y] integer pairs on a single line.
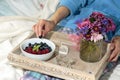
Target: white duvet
[[14, 29]]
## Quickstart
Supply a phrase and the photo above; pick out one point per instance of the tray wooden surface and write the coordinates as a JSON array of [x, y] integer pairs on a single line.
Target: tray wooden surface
[[69, 67]]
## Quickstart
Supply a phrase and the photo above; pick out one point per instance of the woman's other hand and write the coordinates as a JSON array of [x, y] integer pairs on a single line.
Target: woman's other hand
[[115, 49]]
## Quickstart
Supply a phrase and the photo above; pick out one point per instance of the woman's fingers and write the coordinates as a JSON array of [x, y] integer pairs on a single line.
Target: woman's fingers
[[115, 50], [43, 27], [112, 46], [115, 58], [38, 28]]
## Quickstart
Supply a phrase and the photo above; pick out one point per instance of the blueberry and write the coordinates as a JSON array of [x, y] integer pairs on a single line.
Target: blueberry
[[29, 44], [40, 36], [49, 48], [41, 48], [34, 44], [26, 47], [41, 43]]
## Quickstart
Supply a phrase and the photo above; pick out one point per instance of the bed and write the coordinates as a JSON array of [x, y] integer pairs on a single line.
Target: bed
[[16, 20]]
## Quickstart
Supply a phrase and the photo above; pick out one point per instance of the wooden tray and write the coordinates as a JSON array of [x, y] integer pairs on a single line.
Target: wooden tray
[[69, 67]]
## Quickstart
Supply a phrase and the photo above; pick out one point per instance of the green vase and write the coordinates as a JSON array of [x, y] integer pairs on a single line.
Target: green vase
[[92, 51]]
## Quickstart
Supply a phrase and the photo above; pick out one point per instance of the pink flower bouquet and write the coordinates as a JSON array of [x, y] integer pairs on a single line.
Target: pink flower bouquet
[[92, 32], [95, 27]]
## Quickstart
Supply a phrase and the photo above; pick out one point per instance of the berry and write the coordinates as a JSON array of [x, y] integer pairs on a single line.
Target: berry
[[40, 36], [29, 44], [46, 50], [38, 48], [34, 52], [42, 52], [49, 48], [28, 49], [39, 52]]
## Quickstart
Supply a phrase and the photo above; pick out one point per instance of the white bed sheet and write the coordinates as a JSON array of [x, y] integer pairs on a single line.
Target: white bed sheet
[[14, 29]]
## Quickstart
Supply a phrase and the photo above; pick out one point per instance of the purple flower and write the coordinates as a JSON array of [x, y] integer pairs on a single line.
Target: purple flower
[[105, 22], [84, 30], [97, 24], [103, 30]]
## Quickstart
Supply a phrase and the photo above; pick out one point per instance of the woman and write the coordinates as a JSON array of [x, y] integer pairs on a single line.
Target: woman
[[71, 10]]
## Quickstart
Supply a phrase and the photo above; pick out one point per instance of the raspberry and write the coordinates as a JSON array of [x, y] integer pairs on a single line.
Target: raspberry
[[43, 52], [39, 52], [34, 52], [28, 49], [46, 50]]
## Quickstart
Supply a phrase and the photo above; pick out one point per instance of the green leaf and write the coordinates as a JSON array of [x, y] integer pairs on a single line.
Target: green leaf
[[92, 19], [36, 47]]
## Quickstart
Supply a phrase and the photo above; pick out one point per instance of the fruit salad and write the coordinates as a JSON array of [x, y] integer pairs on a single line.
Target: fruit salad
[[38, 48]]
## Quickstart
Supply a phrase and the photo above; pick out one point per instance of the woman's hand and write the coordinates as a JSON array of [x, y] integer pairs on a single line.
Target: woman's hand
[[115, 49], [43, 27]]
